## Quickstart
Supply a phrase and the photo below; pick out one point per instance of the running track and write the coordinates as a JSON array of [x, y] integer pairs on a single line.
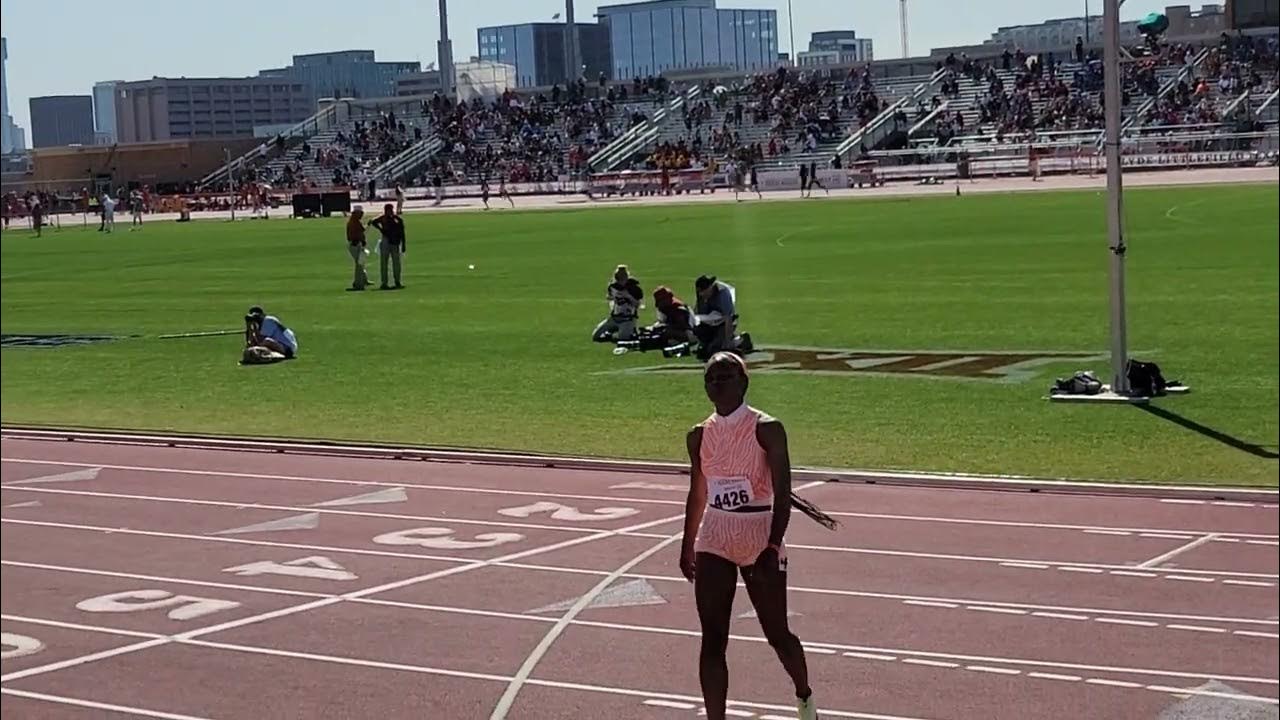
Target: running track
[[448, 590]]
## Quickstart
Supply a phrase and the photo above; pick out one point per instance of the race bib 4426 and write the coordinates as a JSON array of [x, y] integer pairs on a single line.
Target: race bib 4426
[[728, 493]]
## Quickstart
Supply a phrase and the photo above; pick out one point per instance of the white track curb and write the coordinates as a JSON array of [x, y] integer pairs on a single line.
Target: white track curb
[[876, 477]]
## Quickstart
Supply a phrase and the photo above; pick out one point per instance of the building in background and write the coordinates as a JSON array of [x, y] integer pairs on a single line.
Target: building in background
[[835, 47], [58, 120], [1244, 14], [1060, 33], [167, 108], [344, 74], [104, 112], [537, 51], [12, 138], [650, 38]]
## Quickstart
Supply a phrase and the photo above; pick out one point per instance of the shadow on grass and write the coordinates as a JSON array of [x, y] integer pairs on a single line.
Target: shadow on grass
[[1235, 442]]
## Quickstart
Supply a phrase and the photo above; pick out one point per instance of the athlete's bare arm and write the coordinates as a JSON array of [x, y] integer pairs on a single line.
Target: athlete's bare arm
[[773, 438], [696, 502]]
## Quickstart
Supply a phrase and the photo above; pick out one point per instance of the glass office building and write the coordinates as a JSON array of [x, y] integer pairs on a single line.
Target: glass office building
[[649, 38], [537, 51], [344, 74]]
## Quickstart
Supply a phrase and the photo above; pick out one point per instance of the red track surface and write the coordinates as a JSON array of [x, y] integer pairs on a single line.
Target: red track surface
[[925, 604]]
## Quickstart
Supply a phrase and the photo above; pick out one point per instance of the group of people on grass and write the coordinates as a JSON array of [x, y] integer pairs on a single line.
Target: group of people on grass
[[710, 326]]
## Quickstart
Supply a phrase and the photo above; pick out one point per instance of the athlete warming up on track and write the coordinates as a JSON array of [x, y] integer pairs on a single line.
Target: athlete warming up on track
[[735, 518]]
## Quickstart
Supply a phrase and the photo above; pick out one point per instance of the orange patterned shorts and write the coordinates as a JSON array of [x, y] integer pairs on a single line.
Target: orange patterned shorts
[[738, 537]]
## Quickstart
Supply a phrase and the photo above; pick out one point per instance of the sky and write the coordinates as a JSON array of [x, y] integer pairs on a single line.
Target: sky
[[239, 37]]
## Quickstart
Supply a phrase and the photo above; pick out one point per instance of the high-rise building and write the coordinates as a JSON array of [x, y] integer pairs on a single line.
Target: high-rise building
[[344, 74], [537, 51], [58, 120], [104, 111], [835, 47], [164, 108], [649, 38], [12, 139]]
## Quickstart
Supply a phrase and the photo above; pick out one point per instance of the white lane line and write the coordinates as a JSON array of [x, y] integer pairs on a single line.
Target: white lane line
[[1122, 621], [869, 656], [85, 659], [673, 704], [1180, 501], [1166, 557], [326, 601], [994, 670], [508, 698], [1232, 503], [1060, 616], [1024, 565], [1052, 611], [129, 710], [1197, 628], [1002, 610], [1074, 568], [1166, 536], [818, 650], [1272, 543], [163, 578], [1188, 578], [930, 603], [609, 498], [1113, 683], [1108, 532], [1132, 573], [241, 505], [558, 684], [1055, 676], [78, 626], [1210, 693], [1254, 633], [1228, 540], [930, 663]]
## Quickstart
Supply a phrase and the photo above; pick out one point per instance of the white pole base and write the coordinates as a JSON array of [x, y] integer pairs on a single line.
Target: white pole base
[[1106, 397]]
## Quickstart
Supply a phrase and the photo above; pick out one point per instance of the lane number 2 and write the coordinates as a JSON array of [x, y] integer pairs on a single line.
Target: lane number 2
[[568, 512], [181, 607], [442, 538]]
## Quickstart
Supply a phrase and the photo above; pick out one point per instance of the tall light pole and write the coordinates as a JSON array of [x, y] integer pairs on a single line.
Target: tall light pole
[[791, 33], [902, 22], [572, 66], [1115, 193], [444, 51]]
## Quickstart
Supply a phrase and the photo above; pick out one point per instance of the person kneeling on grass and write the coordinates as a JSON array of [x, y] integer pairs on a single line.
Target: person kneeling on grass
[[266, 339], [623, 295]]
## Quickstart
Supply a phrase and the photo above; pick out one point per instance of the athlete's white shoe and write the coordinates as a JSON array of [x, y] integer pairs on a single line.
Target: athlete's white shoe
[[806, 709]]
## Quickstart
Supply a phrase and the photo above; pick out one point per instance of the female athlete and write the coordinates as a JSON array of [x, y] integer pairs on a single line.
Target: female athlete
[[735, 518]]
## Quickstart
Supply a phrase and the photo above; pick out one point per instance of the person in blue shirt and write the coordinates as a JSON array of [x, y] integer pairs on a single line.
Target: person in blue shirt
[[263, 330]]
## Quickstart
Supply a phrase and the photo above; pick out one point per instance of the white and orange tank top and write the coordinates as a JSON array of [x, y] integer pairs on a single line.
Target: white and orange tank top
[[733, 462]]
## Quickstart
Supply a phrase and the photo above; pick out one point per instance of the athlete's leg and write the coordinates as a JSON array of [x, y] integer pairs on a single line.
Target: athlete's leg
[[714, 584], [768, 593]]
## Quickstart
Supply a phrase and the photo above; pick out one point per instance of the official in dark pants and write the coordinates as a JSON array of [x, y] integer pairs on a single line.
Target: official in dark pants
[[717, 319], [392, 246]]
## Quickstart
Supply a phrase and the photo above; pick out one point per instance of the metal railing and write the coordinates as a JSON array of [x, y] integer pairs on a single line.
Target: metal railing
[[641, 135], [408, 160], [871, 131], [323, 119]]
